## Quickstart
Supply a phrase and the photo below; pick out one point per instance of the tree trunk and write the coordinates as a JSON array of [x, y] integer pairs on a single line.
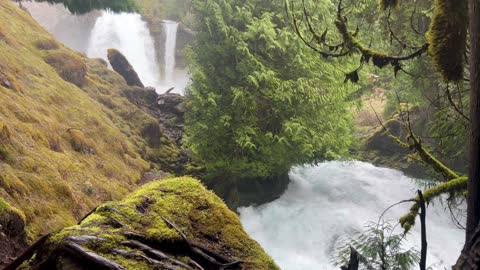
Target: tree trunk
[[473, 215]]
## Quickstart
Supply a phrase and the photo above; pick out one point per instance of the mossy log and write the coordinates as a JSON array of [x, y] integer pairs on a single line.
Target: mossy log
[[173, 224]]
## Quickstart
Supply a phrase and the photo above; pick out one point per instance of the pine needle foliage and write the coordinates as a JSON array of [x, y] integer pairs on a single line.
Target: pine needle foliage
[[379, 248], [260, 101]]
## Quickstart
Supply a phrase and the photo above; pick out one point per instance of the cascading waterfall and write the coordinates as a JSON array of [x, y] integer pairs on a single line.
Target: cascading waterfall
[[325, 203], [96, 32], [170, 30], [129, 34]]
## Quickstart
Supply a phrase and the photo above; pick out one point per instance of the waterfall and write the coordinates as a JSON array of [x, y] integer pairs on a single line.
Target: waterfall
[[170, 30], [129, 34], [325, 203]]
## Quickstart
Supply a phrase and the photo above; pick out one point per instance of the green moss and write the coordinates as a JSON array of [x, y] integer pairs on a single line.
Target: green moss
[[69, 66], [199, 213], [46, 44], [447, 37], [44, 161], [457, 185], [80, 142]]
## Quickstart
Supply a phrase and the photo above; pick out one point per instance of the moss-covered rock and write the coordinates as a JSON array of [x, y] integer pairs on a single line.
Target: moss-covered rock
[[121, 65], [156, 216], [12, 232], [380, 149]]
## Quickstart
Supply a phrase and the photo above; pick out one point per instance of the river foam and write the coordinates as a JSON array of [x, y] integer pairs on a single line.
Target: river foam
[[325, 203]]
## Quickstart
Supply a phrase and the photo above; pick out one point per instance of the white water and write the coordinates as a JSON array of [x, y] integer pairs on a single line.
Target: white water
[[325, 203], [96, 32], [129, 34], [170, 29]]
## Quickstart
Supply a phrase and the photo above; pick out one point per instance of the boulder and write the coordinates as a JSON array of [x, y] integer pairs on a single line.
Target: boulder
[[12, 233], [172, 103], [174, 223], [121, 65]]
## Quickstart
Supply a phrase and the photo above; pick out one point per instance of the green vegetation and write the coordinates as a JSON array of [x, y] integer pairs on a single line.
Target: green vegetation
[[175, 10], [81, 6], [57, 159], [260, 101], [379, 248], [199, 213]]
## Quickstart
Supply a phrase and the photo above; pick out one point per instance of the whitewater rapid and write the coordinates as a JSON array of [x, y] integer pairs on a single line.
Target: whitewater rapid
[[323, 204]]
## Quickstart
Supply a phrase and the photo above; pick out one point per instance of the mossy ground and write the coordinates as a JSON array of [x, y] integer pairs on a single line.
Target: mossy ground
[[199, 213], [64, 149]]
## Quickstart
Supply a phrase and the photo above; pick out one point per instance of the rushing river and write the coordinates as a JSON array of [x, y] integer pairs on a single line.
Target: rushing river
[[325, 203]]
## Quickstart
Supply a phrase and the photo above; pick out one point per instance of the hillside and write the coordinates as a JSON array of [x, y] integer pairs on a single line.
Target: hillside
[[69, 137]]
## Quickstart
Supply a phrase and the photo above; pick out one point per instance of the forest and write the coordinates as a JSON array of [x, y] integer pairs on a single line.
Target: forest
[[240, 134]]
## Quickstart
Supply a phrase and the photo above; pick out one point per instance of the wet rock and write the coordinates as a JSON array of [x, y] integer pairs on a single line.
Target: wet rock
[[12, 233], [250, 191], [121, 65], [172, 103]]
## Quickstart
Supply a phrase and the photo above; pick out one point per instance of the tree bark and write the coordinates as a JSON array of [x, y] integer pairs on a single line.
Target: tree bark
[[473, 212]]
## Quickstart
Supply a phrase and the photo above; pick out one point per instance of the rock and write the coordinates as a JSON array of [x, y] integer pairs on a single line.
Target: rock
[[152, 175], [250, 191], [381, 150], [172, 103], [12, 233], [164, 223], [121, 65]]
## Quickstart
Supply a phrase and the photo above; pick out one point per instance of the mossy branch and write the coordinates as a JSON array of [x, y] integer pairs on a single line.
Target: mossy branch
[[453, 186], [349, 43]]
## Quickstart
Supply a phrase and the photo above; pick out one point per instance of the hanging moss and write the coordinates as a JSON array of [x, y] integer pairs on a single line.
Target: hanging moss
[[447, 37], [450, 187]]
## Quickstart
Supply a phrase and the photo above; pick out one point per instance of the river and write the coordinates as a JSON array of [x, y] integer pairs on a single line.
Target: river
[[326, 203]]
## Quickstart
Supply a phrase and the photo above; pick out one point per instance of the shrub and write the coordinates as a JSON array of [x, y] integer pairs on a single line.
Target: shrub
[[70, 67], [46, 44]]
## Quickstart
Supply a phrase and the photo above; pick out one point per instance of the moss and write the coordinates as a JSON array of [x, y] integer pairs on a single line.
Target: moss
[[152, 132], [5, 132], [46, 44], [5, 155], [42, 164], [69, 66], [199, 213], [12, 220], [453, 186], [80, 142], [447, 37]]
